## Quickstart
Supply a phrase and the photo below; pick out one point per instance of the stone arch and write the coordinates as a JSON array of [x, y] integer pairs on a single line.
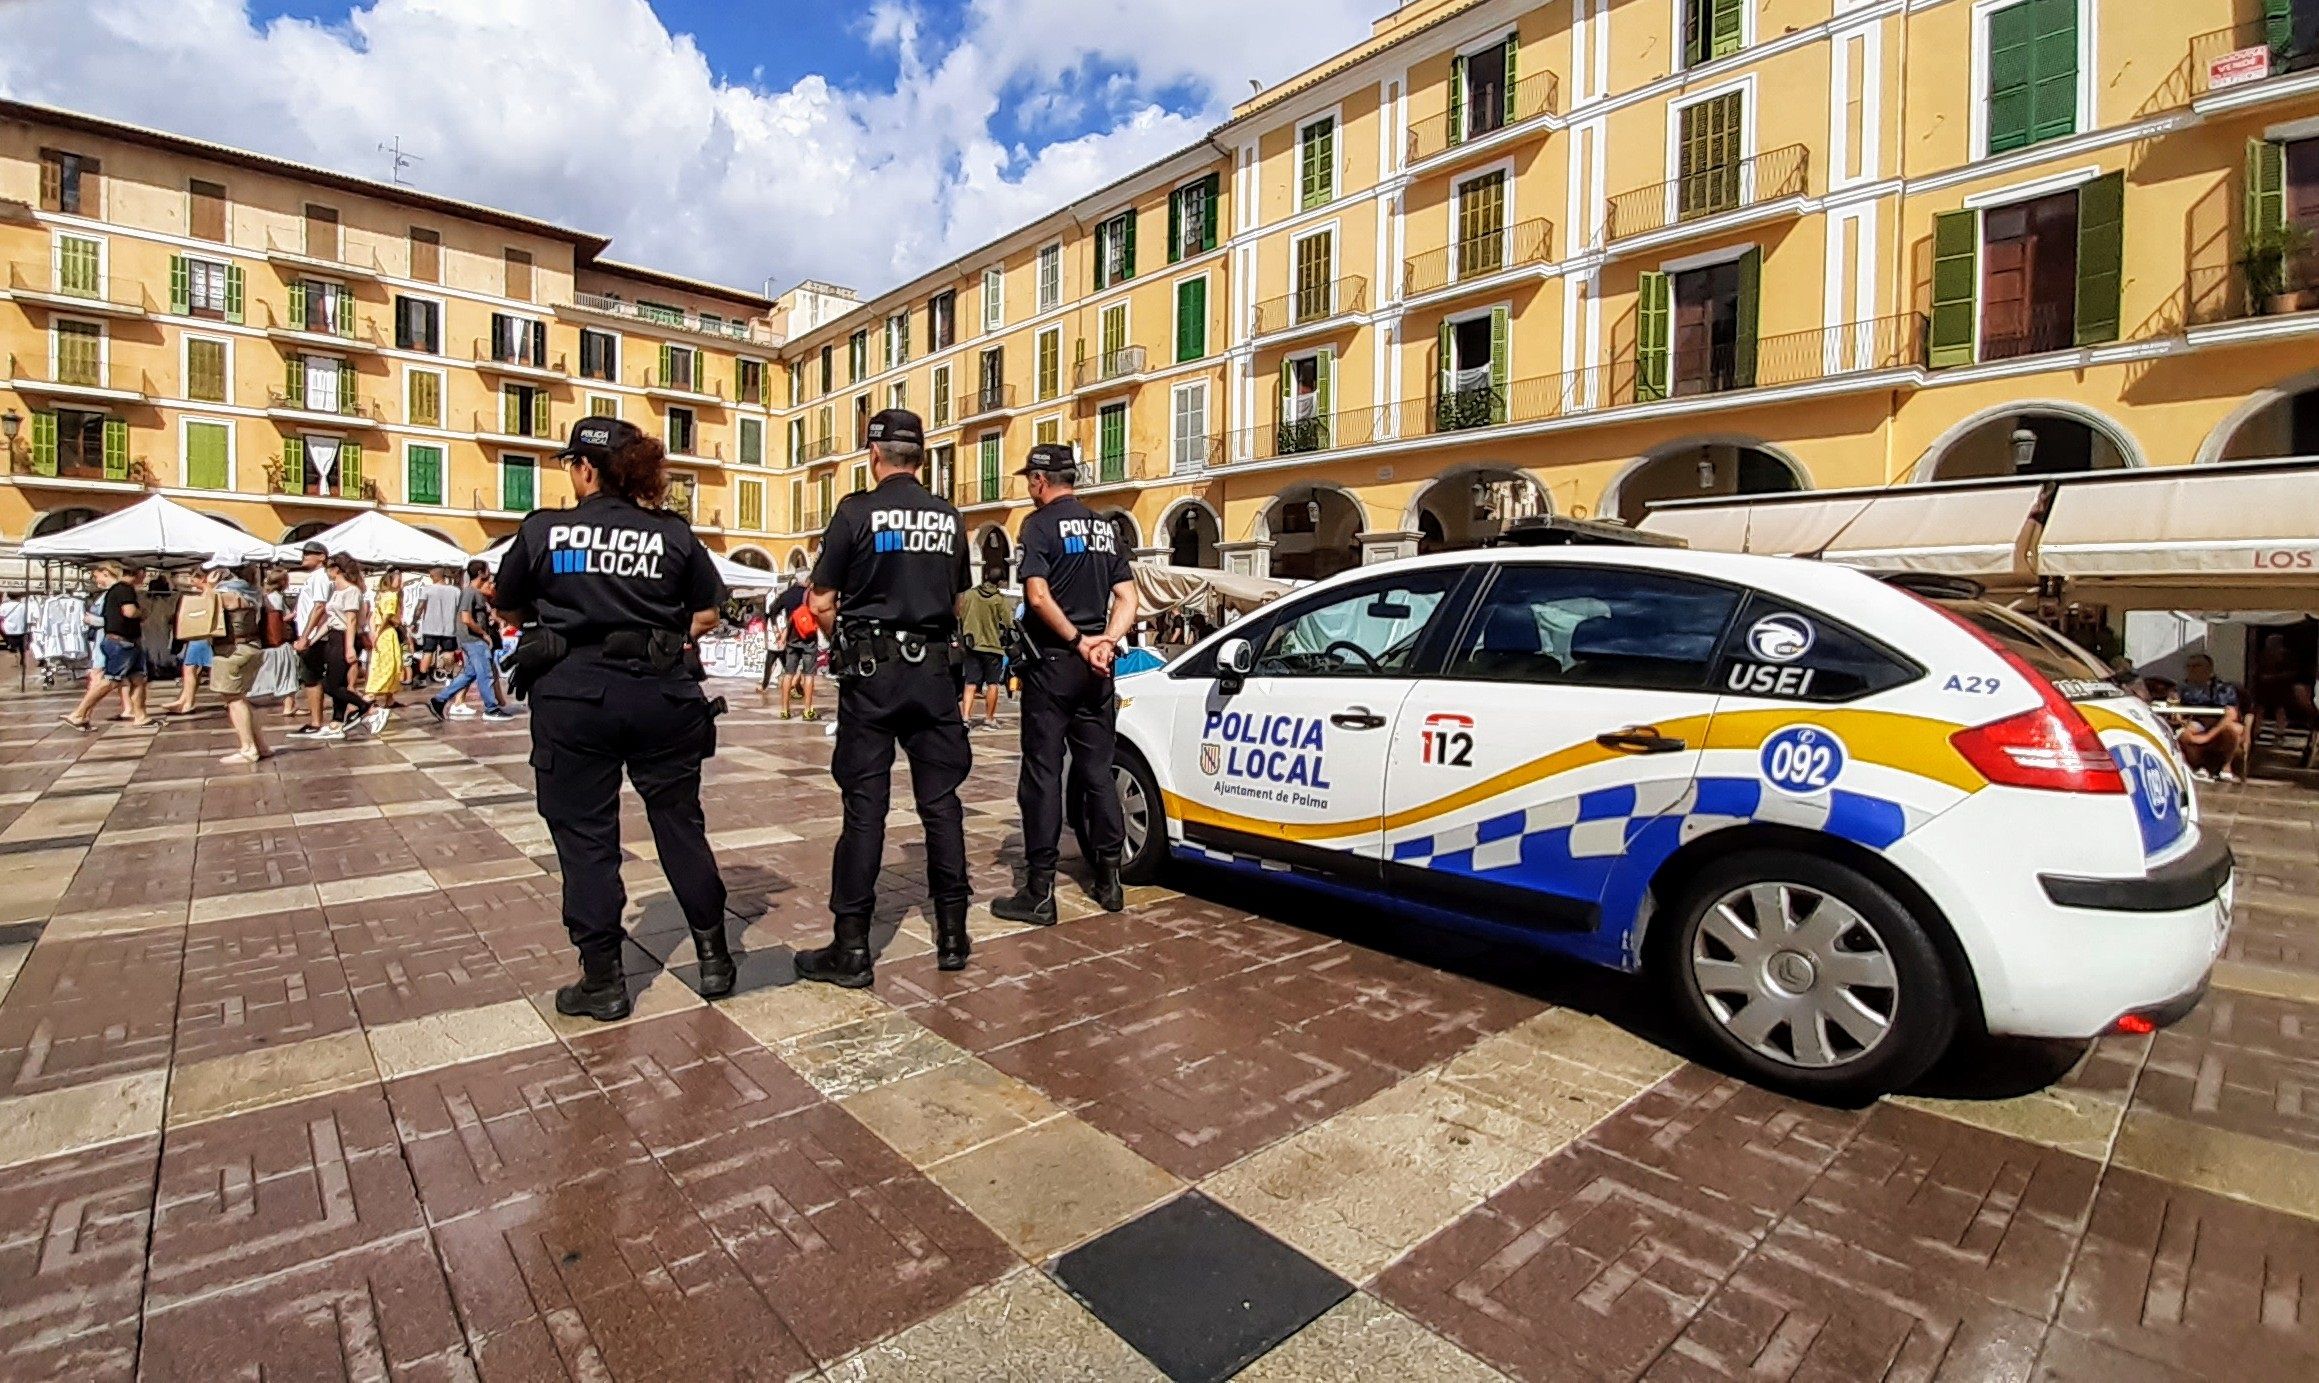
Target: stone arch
[[2279, 421], [440, 536], [1130, 536], [1977, 446], [752, 557], [1320, 542], [992, 547], [797, 560], [1467, 506], [61, 521], [1190, 529], [1740, 465], [298, 533]]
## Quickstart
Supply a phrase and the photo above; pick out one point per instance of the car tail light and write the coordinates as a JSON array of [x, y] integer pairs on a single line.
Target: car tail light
[[2051, 748]]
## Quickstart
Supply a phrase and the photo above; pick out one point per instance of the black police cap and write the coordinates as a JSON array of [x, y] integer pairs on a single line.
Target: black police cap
[[595, 439], [1053, 458], [898, 425]]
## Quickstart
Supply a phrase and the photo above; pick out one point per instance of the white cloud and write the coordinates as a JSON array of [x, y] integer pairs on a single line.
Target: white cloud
[[591, 113]]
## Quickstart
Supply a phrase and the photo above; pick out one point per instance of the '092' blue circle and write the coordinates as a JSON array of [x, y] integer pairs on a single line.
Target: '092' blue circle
[[1803, 760]]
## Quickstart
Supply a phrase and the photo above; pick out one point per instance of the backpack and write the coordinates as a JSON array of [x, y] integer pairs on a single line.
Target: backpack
[[802, 623], [276, 630]]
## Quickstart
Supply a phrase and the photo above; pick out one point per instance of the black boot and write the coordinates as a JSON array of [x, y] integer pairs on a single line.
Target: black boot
[[1034, 902], [601, 994], [845, 961], [716, 958], [951, 944], [1110, 892]]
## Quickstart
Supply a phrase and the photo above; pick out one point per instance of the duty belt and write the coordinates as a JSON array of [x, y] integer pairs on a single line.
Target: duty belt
[[862, 648]]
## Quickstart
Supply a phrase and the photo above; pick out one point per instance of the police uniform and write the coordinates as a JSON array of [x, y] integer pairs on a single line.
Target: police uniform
[[1067, 702], [611, 590], [896, 556]]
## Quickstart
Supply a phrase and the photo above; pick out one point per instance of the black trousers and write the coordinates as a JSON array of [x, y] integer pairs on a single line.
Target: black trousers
[[915, 707], [589, 722], [1067, 703], [337, 678]]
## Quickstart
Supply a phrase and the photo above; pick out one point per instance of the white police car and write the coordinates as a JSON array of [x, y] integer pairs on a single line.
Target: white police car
[[1838, 819]]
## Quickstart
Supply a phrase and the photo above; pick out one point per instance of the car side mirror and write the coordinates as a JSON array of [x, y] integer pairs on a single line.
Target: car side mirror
[[1235, 659]]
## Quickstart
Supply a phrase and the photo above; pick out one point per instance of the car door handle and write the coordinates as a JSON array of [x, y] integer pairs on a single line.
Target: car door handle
[[1641, 739], [1357, 718]]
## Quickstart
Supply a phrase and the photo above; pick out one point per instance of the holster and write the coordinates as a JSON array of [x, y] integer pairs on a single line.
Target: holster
[[537, 650], [862, 650], [663, 650]]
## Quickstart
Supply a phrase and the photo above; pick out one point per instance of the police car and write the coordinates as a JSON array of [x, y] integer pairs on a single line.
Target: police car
[[1838, 819]]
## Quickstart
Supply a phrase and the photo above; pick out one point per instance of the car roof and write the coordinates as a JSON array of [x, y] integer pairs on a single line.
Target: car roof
[[1793, 576]]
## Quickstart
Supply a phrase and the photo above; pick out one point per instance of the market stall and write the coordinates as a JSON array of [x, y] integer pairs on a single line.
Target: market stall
[[155, 533], [378, 539], [1215, 596]]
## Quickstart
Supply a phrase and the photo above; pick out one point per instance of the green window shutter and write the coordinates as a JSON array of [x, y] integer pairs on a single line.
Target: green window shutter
[[346, 400], [1102, 245], [1176, 225], [298, 304], [44, 444], [344, 317], [1287, 386], [509, 424], [116, 449], [517, 483], [1654, 326], [2279, 24], [1215, 195], [180, 286], [2101, 258], [1501, 360], [1956, 287], [205, 456], [1191, 320], [1512, 43], [1111, 443], [752, 442], [1725, 25], [294, 382], [2053, 94], [2012, 72], [1750, 319], [234, 289], [2266, 186], [668, 364], [350, 469], [1127, 249], [1457, 100], [76, 266], [293, 465]]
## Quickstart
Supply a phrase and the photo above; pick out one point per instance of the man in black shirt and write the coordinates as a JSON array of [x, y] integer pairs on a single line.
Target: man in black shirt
[[1082, 603], [891, 569], [120, 653]]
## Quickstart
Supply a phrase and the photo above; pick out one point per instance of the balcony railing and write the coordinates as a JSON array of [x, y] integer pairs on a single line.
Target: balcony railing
[[307, 485], [1705, 192], [486, 354], [1527, 99], [498, 422], [1479, 256], [1303, 436], [318, 322], [72, 463], [103, 293], [1314, 302], [722, 328], [77, 368], [817, 449], [2222, 293], [2035, 329], [699, 452], [1115, 468], [2247, 53], [1187, 455], [347, 405], [1106, 366], [689, 385], [339, 258], [970, 489], [988, 398]]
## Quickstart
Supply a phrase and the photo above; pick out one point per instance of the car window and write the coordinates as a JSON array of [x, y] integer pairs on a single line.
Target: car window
[[1370, 631], [1786, 653], [2078, 673], [1594, 626]]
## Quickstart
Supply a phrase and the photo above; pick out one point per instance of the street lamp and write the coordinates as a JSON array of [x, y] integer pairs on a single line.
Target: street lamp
[[2024, 450]]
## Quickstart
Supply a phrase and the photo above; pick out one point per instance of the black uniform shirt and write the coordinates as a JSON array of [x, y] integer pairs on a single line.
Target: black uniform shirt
[[897, 555], [605, 565], [1078, 555]]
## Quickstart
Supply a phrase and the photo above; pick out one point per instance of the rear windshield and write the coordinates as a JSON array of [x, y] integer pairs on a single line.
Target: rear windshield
[[2074, 672]]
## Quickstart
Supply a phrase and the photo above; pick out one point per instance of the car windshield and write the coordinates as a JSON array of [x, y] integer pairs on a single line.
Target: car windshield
[[2076, 673]]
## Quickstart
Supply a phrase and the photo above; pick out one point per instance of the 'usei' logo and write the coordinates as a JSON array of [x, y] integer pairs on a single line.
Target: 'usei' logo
[[1280, 750], [1780, 638]]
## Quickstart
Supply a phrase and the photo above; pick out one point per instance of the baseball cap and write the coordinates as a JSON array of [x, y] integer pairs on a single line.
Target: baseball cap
[[595, 439], [313, 549], [1051, 457], [898, 425]]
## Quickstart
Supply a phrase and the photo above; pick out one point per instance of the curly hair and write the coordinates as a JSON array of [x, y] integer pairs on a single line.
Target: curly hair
[[638, 473]]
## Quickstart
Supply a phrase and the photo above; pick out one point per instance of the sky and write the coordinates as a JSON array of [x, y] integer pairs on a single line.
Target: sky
[[743, 141]]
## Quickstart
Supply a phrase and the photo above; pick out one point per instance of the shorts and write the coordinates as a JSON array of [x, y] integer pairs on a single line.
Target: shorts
[[985, 669], [438, 644], [312, 661], [232, 672], [799, 660], [124, 661], [197, 653]]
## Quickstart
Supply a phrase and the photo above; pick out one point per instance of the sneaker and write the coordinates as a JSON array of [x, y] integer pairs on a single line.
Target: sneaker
[[2229, 777], [307, 732], [2202, 775], [378, 718], [331, 732], [499, 713], [435, 709], [462, 711]]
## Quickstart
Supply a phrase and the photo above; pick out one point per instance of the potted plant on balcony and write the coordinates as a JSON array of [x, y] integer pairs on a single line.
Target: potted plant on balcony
[[2276, 264]]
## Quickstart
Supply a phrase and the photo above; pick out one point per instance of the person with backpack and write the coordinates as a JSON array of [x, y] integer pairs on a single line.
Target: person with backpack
[[792, 628]]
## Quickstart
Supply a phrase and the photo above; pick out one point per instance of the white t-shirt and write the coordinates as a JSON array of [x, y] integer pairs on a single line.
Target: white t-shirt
[[313, 591], [12, 617]]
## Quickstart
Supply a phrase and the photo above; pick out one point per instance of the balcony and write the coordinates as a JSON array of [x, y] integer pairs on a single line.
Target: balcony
[[72, 468], [1527, 100], [499, 427], [1106, 367], [82, 293], [79, 376], [819, 449], [971, 491], [989, 399], [1117, 468], [2033, 329], [1322, 432], [1311, 305], [2248, 64], [345, 411], [286, 484], [1748, 184], [682, 387], [687, 323], [2224, 294], [699, 454], [316, 329], [521, 364], [285, 256], [1478, 257]]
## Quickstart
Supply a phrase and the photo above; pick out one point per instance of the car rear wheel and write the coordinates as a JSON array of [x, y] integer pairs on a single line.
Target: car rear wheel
[[1147, 828], [1809, 975]]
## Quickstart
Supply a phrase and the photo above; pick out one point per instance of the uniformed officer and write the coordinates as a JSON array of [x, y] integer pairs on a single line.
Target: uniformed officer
[[892, 567], [1082, 603], [615, 588]]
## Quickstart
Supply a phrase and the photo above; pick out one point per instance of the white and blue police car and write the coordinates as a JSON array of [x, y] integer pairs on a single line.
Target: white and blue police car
[[1837, 817]]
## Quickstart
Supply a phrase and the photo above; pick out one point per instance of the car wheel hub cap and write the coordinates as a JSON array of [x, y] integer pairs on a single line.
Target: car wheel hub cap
[[1796, 975], [1133, 808]]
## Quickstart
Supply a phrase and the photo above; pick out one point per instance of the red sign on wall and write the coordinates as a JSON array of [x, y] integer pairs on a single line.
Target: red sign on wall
[[2239, 68]]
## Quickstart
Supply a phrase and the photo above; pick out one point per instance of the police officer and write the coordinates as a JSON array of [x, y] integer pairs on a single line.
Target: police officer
[[1082, 603], [612, 592], [892, 567]]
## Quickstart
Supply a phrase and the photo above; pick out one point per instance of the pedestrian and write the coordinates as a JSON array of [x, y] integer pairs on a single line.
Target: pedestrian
[[986, 623], [342, 647], [15, 621], [120, 653], [791, 621], [193, 659], [435, 615], [613, 593], [236, 654], [387, 648], [892, 566], [307, 618], [478, 652], [1082, 600]]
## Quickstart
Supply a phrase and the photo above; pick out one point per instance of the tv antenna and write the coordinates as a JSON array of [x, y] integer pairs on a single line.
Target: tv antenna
[[402, 157]]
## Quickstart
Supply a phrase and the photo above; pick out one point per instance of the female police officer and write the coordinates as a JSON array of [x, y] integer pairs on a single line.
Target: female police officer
[[613, 589]]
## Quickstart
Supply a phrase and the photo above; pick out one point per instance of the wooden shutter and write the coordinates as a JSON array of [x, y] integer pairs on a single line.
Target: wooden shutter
[[1213, 190], [2101, 258], [1501, 361], [517, 482], [297, 304], [1446, 365], [1176, 224], [205, 370], [1956, 287], [426, 398], [77, 264], [1710, 144], [1287, 390], [1457, 100], [1725, 28], [293, 466], [205, 456], [44, 443], [207, 217], [1513, 43], [294, 381], [1191, 319], [510, 419], [116, 449], [2279, 25], [2266, 208], [1102, 255], [180, 286], [1654, 327], [1750, 325], [519, 275], [51, 180], [321, 232], [1127, 247], [667, 365], [350, 471], [752, 442], [2012, 74], [426, 255], [346, 400], [1325, 393], [235, 294], [2053, 93]]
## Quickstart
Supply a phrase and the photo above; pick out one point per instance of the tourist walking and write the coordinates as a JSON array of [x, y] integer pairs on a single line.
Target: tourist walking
[[119, 661], [387, 648], [308, 616], [236, 655], [341, 646]]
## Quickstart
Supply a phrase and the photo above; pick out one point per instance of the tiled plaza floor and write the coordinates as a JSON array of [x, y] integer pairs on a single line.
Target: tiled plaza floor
[[281, 1096]]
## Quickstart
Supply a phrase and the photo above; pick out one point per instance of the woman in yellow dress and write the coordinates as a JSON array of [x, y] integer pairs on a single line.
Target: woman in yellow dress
[[386, 647]]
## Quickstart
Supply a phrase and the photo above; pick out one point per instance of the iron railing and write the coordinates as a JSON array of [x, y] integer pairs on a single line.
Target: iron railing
[[2281, 53], [339, 257], [1705, 192], [1313, 302], [1105, 366], [487, 354], [1526, 99], [348, 405], [1478, 256], [712, 451], [985, 399], [690, 385], [496, 423], [970, 489], [2034, 329], [61, 280], [2224, 293], [78, 366], [1114, 468], [613, 305]]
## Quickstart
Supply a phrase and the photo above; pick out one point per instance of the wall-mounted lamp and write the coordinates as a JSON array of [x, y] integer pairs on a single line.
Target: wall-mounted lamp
[[1706, 471], [2024, 450]]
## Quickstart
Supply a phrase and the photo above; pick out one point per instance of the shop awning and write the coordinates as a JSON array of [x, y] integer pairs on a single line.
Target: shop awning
[[2191, 537], [1977, 531]]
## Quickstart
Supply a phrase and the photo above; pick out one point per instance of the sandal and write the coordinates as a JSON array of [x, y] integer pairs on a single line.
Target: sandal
[[81, 725], [813, 715]]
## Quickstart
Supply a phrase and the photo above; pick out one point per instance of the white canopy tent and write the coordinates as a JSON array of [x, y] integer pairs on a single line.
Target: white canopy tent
[[156, 532], [381, 540], [1968, 529]]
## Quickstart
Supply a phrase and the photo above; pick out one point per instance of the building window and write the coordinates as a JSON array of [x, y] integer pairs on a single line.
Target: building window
[[1712, 29], [418, 325], [518, 483], [749, 381], [599, 354], [1698, 331], [518, 275], [1481, 91], [423, 474], [205, 218], [682, 432], [752, 505], [683, 500], [1191, 319], [2036, 276], [1047, 431], [861, 478], [942, 469], [603, 406], [1315, 282], [1049, 380], [324, 309], [209, 291], [208, 455], [898, 394], [828, 369], [519, 341], [1192, 218], [523, 411], [1189, 410], [942, 396], [2033, 77], [994, 298], [857, 356], [941, 322], [73, 444], [424, 401], [68, 183], [1316, 161], [1111, 444], [990, 381], [205, 369], [1473, 354], [322, 233], [799, 520], [1306, 385], [426, 255], [1481, 225], [1708, 172], [752, 441], [1050, 278], [79, 348], [987, 465], [1111, 335], [680, 368], [897, 340], [1115, 250]]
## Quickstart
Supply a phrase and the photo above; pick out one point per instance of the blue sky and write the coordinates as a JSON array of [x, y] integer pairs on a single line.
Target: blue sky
[[742, 140]]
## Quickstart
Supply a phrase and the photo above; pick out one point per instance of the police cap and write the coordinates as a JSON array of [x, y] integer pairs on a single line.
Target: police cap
[[898, 425], [1051, 458], [595, 439]]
